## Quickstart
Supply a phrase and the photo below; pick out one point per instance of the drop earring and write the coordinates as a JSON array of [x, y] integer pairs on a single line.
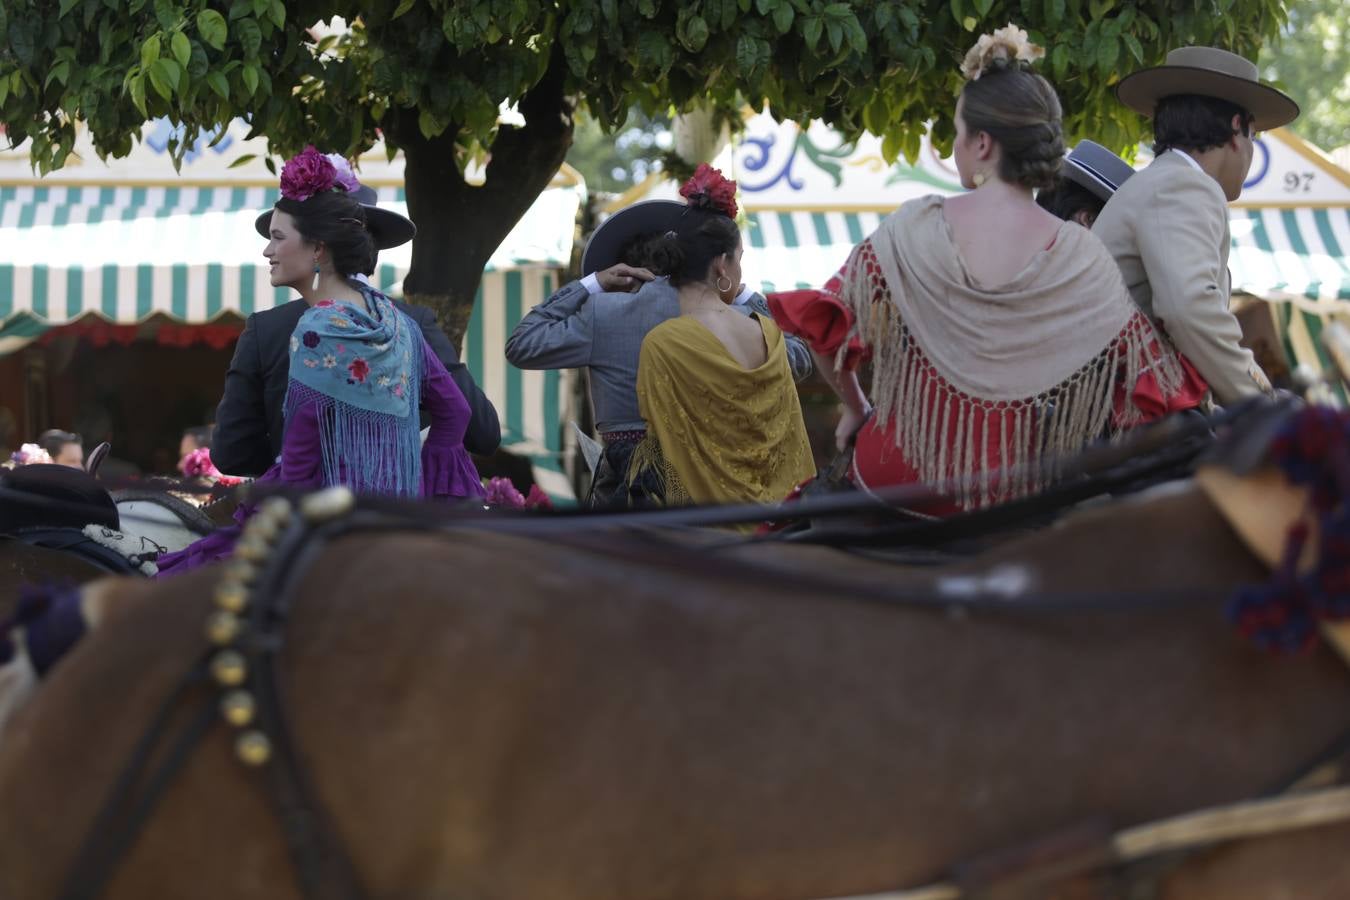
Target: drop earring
[[314, 285]]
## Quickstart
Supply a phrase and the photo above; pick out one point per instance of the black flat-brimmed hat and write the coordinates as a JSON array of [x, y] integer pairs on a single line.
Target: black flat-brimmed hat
[[388, 228], [647, 217], [1208, 72], [1096, 169]]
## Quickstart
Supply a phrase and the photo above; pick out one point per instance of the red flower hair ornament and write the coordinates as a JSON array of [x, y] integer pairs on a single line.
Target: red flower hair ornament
[[709, 190], [310, 172]]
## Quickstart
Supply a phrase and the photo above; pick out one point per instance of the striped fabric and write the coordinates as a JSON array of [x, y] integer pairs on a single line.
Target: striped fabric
[[1275, 251], [1299, 252]]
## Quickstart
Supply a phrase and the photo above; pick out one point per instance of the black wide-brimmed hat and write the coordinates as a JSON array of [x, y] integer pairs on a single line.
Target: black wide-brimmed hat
[[1096, 169], [647, 217], [1208, 72], [388, 228]]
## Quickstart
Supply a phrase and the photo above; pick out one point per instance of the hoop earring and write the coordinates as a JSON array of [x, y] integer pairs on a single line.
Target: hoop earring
[[719, 284], [979, 178], [314, 285]]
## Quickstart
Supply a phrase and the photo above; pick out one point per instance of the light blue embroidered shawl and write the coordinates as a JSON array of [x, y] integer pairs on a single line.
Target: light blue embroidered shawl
[[364, 372]]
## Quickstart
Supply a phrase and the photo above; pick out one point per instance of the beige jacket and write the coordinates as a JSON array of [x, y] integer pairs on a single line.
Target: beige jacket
[[1167, 228]]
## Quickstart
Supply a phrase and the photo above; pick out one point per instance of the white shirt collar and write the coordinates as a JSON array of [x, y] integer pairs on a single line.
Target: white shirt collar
[[1186, 156]]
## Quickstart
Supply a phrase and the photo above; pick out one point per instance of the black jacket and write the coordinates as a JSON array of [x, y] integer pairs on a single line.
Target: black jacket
[[249, 421]]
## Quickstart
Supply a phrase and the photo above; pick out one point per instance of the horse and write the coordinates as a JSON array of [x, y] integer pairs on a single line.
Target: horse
[[634, 713]]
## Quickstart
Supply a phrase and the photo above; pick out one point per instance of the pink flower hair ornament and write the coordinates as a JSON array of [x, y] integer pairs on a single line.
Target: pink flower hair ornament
[[310, 172], [709, 190]]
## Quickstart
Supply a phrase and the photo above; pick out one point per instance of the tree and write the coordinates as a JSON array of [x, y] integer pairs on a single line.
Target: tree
[[614, 162], [432, 76], [1309, 61]]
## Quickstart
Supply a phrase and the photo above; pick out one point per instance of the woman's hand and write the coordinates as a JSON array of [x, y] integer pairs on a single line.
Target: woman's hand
[[849, 424]]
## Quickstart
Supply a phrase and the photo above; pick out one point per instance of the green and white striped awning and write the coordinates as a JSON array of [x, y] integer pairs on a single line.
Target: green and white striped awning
[[1275, 252], [1291, 252], [188, 253]]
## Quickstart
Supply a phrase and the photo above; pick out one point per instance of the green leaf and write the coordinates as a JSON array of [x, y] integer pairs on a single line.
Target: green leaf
[[958, 14], [250, 37], [260, 7], [166, 14], [198, 64], [240, 9], [747, 54], [138, 95], [67, 6], [400, 10], [169, 70], [983, 6], [211, 26], [218, 83], [428, 124], [783, 16], [250, 76], [59, 72], [1054, 12], [277, 13], [1108, 51], [243, 160], [969, 23], [182, 48], [1136, 50], [811, 29], [695, 34], [158, 82], [149, 51], [836, 33], [4, 90]]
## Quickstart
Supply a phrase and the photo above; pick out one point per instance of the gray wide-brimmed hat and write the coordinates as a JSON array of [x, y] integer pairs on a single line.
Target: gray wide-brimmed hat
[[1208, 72], [1097, 169], [647, 217], [388, 228]]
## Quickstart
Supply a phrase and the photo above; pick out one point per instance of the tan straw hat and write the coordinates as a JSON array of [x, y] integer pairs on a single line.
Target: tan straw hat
[[1208, 72]]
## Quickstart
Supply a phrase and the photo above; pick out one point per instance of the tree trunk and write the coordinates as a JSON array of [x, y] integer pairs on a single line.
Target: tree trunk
[[460, 225]]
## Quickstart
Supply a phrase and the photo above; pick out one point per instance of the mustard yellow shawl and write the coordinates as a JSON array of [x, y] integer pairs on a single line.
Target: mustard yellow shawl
[[717, 432]]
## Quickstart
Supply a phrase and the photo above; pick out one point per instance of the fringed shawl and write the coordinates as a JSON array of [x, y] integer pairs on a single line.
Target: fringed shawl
[[1022, 373], [363, 368], [716, 431]]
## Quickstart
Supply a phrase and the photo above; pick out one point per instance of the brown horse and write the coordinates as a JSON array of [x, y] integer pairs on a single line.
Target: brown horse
[[495, 716]]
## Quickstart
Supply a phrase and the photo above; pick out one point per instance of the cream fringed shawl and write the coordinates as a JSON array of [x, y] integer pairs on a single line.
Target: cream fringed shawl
[[716, 431], [1023, 373]]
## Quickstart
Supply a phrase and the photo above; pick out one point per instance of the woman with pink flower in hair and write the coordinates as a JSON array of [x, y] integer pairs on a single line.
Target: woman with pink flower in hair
[[358, 366], [724, 424]]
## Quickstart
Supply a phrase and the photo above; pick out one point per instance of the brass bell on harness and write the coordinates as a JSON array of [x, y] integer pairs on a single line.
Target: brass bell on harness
[[253, 748], [252, 548], [222, 627], [231, 596], [276, 509], [237, 708], [327, 504], [240, 572], [228, 668]]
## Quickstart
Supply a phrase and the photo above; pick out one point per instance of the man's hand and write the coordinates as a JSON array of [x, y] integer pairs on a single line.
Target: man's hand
[[620, 277]]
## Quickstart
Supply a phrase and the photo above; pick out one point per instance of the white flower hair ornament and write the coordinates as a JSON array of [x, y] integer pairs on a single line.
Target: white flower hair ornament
[[1008, 46]]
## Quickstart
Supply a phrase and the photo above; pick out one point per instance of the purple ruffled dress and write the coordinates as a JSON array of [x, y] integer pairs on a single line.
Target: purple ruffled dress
[[447, 471]]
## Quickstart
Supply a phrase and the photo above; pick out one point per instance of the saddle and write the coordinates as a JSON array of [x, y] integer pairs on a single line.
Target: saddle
[[49, 506], [51, 496]]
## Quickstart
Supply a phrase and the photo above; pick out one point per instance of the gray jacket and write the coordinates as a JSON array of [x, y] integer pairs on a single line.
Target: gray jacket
[[604, 332]]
